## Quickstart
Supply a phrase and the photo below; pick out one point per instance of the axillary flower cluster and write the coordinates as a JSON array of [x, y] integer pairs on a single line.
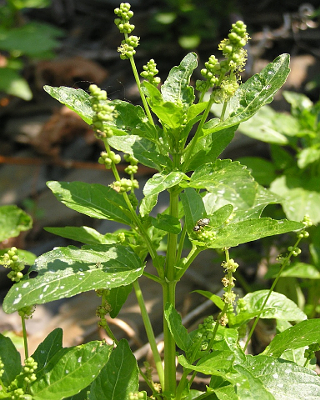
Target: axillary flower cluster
[[104, 112]]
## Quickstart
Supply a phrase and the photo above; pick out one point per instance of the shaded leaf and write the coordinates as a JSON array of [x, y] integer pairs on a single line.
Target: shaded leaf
[[119, 377], [48, 348], [167, 223], [193, 207], [117, 297], [70, 370], [208, 148], [178, 331], [11, 359]]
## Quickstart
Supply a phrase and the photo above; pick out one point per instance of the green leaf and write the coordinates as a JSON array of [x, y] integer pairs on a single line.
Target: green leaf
[[76, 99], [176, 88], [298, 101], [283, 379], [48, 348], [257, 91], [278, 306], [225, 177], [299, 202], [162, 181], [254, 93], [193, 207], [242, 210], [250, 386], [270, 127], [130, 120], [281, 158], [70, 370], [263, 171], [147, 204], [117, 297], [213, 297], [167, 223], [119, 377], [22, 39], [209, 147], [178, 331], [144, 150], [11, 82], [215, 363], [308, 156], [13, 221], [67, 271], [300, 335], [296, 270], [11, 359], [82, 234], [252, 229], [94, 200]]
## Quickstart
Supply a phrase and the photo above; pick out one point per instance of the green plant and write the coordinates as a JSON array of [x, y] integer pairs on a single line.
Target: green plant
[[293, 173], [189, 22], [213, 204], [21, 40]]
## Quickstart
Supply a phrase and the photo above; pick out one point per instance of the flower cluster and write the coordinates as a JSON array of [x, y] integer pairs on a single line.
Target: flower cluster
[[109, 158], [104, 112], [224, 76], [205, 330], [133, 167], [149, 73], [28, 374], [125, 14], [229, 297], [138, 396], [127, 48], [10, 259], [125, 185]]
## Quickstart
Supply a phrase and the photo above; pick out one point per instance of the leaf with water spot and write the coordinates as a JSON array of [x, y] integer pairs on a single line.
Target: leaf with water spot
[[227, 179], [67, 271], [283, 379]]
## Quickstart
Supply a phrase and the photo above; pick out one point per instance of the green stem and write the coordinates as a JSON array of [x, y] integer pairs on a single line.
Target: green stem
[[143, 98], [182, 383], [149, 331], [169, 286], [284, 264], [189, 259], [25, 340], [151, 249]]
